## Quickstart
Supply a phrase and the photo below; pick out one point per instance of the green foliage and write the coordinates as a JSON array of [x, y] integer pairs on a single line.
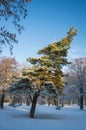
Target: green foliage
[[49, 66], [45, 74], [20, 86]]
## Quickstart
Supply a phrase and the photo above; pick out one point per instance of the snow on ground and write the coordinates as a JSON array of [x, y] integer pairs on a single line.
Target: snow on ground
[[46, 118]]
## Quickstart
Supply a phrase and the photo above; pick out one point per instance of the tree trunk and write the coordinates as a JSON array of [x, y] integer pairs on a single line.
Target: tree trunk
[[2, 101], [81, 102], [34, 101], [81, 98], [28, 101]]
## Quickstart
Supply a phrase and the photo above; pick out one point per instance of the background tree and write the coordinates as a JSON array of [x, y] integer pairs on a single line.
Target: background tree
[[14, 11], [8, 72], [70, 91], [77, 79], [46, 71]]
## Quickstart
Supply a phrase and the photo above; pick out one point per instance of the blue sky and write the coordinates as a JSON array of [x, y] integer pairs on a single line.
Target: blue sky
[[48, 21]]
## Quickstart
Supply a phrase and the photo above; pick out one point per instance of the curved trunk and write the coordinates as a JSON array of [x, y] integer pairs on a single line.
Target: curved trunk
[[33, 107]]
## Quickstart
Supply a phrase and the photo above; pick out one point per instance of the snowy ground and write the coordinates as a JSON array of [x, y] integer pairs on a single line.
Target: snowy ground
[[46, 118]]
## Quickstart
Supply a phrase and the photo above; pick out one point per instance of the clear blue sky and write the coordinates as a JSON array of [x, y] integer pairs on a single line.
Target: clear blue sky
[[48, 21]]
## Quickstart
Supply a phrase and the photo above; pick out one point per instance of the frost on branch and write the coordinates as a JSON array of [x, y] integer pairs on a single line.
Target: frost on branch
[[21, 86], [48, 89]]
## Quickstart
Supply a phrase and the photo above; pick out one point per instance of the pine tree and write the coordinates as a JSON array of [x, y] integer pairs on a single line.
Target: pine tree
[[46, 73]]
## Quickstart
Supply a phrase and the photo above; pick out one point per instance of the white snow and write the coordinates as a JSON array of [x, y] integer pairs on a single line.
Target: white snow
[[46, 118]]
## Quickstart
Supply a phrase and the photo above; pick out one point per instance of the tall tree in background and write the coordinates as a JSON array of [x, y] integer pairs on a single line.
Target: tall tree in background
[[15, 11], [8, 72], [46, 72], [77, 77]]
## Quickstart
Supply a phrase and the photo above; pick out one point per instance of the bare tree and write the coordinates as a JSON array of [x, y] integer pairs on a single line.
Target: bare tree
[[8, 72], [76, 79], [15, 11]]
